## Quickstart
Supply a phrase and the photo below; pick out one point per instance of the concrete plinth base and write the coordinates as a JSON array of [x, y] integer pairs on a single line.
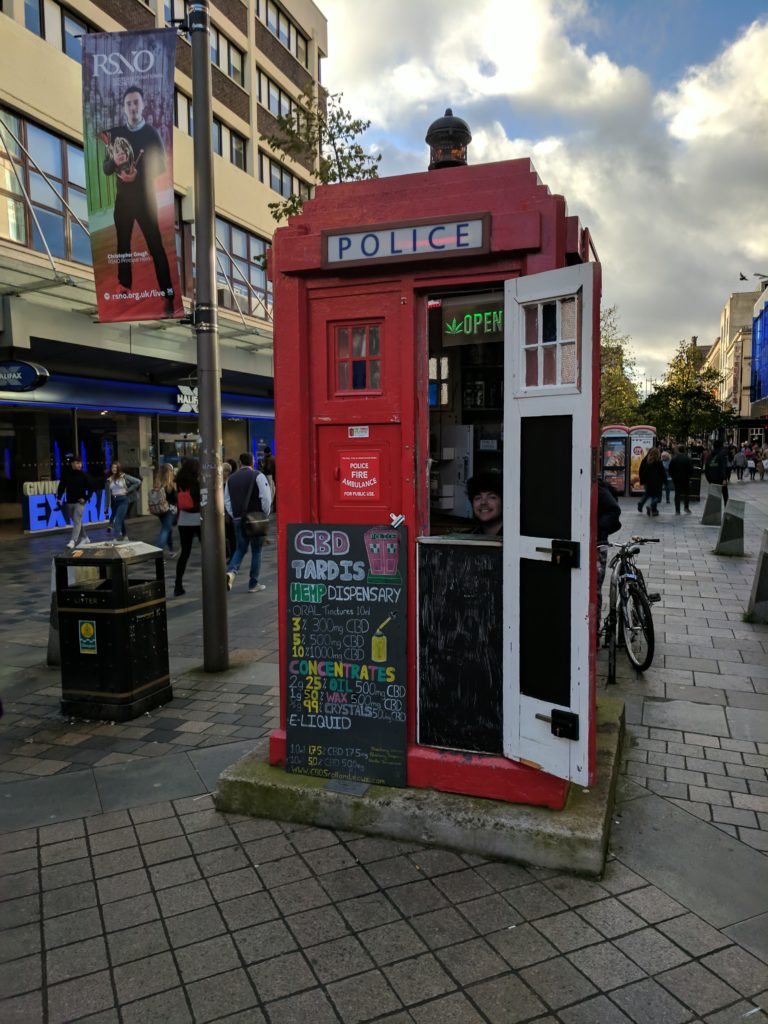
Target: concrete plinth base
[[758, 600], [574, 839], [731, 538], [713, 507]]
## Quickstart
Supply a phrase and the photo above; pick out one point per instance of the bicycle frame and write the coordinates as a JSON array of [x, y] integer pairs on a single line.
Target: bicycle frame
[[625, 575]]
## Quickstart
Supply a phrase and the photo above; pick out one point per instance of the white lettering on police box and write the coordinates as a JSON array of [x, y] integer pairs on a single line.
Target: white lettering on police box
[[401, 242]]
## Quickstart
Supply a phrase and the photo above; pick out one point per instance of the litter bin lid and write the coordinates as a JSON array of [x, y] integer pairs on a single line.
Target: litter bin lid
[[110, 551]]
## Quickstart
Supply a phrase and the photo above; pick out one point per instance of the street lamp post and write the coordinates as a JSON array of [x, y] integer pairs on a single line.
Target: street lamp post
[[205, 321]]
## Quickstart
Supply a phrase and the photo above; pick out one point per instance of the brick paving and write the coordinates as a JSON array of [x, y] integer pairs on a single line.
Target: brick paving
[[148, 910]]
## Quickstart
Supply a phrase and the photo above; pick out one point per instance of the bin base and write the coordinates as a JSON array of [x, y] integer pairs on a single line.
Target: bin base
[[101, 710]]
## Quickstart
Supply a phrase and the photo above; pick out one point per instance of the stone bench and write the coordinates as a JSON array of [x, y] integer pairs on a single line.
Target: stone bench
[[758, 601], [730, 540]]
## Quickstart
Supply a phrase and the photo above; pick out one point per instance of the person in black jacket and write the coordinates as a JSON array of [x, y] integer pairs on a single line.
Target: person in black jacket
[[77, 487], [652, 477], [681, 471], [247, 490], [716, 470]]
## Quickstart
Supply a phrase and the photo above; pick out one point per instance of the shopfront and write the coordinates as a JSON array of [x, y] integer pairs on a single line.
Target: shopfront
[[103, 421]]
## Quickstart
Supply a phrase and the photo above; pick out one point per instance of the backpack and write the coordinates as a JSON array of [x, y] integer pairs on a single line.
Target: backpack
[[186, 502], [158, 501]]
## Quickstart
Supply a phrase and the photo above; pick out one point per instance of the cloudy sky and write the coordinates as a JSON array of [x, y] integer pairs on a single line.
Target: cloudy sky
[[650, 116]]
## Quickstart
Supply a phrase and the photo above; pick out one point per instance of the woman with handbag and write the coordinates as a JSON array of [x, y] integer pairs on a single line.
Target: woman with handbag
[[120, 486], [247, 498], [188, 501], [162, 503]]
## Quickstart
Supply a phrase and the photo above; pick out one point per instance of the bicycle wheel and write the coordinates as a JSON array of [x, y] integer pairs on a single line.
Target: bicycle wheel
[[637, 627]]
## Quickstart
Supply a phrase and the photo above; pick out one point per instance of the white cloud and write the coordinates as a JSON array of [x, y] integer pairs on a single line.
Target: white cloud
[[672, 185]]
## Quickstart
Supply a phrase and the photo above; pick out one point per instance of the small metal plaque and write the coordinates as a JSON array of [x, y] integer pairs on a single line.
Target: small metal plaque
[[346, 786]]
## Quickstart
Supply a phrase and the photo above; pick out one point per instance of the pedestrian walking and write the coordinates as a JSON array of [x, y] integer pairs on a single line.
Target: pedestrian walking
[[75, 487], [762, 462], [269, 470], [751, 462], [188, 501], [163, 503], [121, 487], [681, 471], [716, 470], [740, 464], [652, 479], [666, 458], [247, 491]]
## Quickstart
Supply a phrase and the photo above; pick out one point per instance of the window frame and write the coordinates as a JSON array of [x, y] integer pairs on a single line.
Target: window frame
[[273, 17], [368, 359], [254, 256], [269, 165]]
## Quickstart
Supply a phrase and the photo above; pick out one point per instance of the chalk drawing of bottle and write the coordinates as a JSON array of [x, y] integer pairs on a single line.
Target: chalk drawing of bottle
[[379, 641]]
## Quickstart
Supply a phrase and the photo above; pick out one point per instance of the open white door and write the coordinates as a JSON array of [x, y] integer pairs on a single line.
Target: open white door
[[547, 552]]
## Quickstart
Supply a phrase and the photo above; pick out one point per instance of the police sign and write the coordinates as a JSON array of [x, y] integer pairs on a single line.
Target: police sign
[[406, 241]]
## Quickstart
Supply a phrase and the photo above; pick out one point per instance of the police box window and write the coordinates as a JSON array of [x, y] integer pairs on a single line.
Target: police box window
[[356, 357]]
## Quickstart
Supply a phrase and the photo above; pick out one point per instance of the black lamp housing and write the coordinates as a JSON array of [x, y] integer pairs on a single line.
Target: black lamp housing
[[448, 138]]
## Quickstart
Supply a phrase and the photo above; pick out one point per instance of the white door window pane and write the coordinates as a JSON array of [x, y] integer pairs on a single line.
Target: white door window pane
[[568, 319], [568, 364]]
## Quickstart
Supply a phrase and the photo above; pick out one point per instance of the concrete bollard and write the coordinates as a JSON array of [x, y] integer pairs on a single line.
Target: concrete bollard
[[730, 540], [713, 507], [758, 601]]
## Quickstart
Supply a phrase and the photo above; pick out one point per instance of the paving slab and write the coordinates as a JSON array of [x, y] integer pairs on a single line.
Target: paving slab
[[748, 724], [705, 870], [147, 781], [685, 715], [40, 801], [752, 934]]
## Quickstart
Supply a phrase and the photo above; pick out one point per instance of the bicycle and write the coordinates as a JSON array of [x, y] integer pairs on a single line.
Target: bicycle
[[629, 622]]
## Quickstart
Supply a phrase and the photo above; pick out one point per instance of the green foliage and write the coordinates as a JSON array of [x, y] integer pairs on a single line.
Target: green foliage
[[323, 136], [685, 405], [619, 393]]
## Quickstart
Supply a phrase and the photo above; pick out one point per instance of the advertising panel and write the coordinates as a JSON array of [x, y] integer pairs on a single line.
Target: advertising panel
[[128, 139], [640, 443]]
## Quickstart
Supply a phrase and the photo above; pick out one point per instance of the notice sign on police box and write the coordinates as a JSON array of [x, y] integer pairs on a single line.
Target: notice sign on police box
[[360, 476], [346, 671]]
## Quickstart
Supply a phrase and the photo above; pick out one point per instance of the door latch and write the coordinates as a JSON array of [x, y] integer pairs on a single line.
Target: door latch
[[565, 724], [565, 553]]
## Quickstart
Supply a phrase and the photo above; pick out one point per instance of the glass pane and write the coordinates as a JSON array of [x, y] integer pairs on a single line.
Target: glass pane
[[8, 179], [13, 125], [239, 242], [45, 150], [73, 30], [12, 220], [567, 364], [275, 181], [215, 44], [53, 229], [373, 340], [531, 325], [375, 373], [216, 136], [41, 192], [222, 232], [301, 49], [272, 18], [531, 367], [342, 343], [549, 321], [235, 65], [443, 394], [568, 318], [550, 364], [79, 204], [433, 369], [257, 277], [81, 245], [343, 376], [359, 375], [358, 341], [282, 29], [444, 367], [240, 271], [32, 16], [76, 166], [274, 99], [238, 152], [287, 188]]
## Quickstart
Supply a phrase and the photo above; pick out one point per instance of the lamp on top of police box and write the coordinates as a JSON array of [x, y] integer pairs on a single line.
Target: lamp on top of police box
[[448, 138]]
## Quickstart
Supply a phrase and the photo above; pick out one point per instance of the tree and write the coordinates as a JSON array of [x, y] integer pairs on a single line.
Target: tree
[[619, 393], [323, 137], [685, 404]]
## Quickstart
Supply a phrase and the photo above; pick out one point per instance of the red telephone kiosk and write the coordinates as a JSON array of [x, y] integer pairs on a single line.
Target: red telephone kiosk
[[430, 327]]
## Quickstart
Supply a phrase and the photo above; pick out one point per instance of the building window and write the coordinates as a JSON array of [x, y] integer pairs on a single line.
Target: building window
[[182, 113], [237, 150], [64, 165], [281, 26], [226, 56], [56, 25], [276, 100], [280, 179], [243, 268], [175, 10], [357, 357]]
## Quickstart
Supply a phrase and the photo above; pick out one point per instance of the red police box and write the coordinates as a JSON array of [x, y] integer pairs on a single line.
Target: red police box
[[430, 328]]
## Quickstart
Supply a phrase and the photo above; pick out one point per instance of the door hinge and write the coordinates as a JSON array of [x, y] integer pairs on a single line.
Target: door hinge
[[565, 724]]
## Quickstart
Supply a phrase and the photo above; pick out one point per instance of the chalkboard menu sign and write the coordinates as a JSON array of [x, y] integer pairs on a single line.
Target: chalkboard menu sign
[[346, 671]]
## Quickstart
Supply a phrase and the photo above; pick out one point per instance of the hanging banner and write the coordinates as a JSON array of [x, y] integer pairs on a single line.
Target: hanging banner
[[128, 139]]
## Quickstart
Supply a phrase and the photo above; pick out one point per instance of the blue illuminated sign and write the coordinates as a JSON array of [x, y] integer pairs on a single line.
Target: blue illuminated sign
[[40, 511], [21, 376]]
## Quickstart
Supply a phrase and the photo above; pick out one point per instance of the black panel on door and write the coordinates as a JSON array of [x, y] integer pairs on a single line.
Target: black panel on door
[[545, 631], [545, 476]]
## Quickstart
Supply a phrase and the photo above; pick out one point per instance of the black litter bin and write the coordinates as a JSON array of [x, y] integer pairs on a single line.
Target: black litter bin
[[113, 632]]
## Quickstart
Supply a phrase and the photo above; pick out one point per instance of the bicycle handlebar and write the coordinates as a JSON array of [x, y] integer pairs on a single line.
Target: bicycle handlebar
[[644, 540]]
